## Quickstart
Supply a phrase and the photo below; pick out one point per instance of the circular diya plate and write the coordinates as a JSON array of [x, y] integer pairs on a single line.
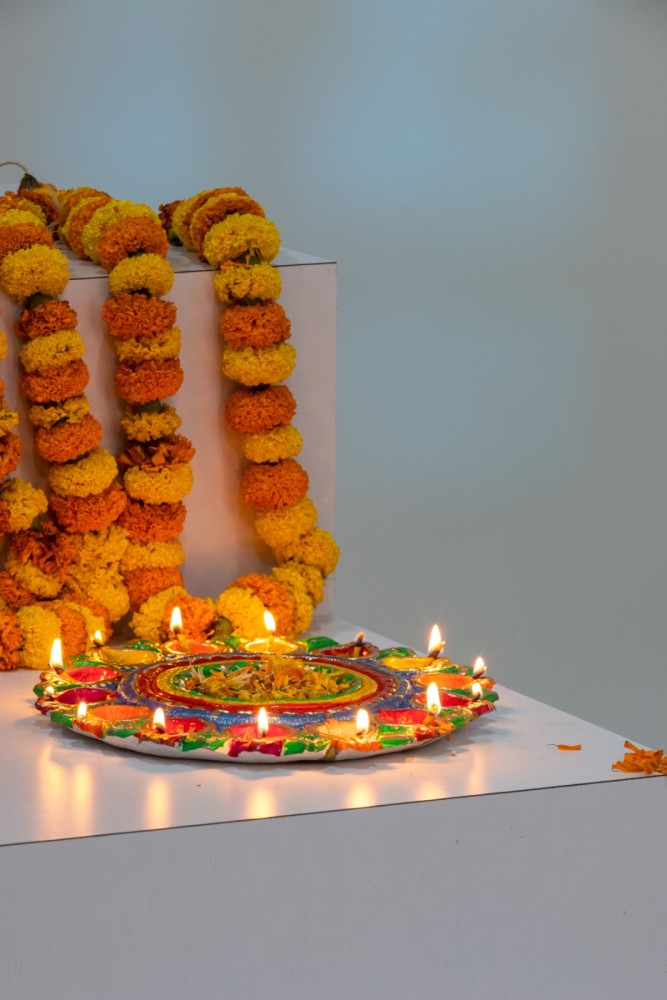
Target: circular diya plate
[[211, 704]]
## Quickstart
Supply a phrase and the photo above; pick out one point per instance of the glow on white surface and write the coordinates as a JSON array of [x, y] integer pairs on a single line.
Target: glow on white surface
[[158, 811], [360, 795], [81, 796], [262, 803]]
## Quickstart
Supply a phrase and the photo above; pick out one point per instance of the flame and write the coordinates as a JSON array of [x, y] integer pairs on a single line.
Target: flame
[[50, 690], [56, 657], [479, 667], [363, 722], [98, 638], [81, 712], [433, 702], [262, 721], [269, 623], [176, 620], [476, 690], [159, 721], [435, 642]]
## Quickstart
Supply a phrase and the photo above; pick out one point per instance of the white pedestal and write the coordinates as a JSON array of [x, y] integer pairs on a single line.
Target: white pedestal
[[219, 538], [497, 866]]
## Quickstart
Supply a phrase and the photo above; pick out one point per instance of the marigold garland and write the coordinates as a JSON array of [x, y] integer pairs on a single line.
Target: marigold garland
[[55, 384], [67, 441], [251, 411]]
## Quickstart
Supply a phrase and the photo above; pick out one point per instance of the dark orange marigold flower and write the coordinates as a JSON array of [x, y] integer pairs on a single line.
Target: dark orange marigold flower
[[45, 197], [99, 610], [22, 237], [64, 441], [153, 522], [12, 592], [143, 583], [73, 632], [91, 513], [250, 411], [77, 221], [197, 613], [218, 210], [10, 640], [10, 453], [273, 596], [46, 548], [148, 381], [273, 486], [254, 326], [131, 236], [55, 384], [170, 451], [50, 317], [132, 314], [166, 213]]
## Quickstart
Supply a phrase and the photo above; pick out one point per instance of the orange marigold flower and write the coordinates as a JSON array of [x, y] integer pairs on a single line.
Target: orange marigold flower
[[131, 314], [269, 487], [96, 608], [198, 614], [128, 237], [12, 592], [250, 411], [46, 548], [254, 326], [73, 632], [77, 220], [10, 640], [22, 236], [166, 213], [45, 197], [153, 522], [10, 453], [55, 384], [92, 513], [169, 451], [149, 380], [66, 441], [215, 209], [74, 196], [144, 583], [184, 212], [273, 596], [50, 317]]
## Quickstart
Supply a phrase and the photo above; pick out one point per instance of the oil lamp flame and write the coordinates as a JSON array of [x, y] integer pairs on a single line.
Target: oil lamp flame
[[262, 721], [269, 623], [159, 721], [56, 657], [98, 638], [176, 620], [49, 690], [476, 690], [82, 711], [435, 642], [363, 722], [433, 703], [479, 667]]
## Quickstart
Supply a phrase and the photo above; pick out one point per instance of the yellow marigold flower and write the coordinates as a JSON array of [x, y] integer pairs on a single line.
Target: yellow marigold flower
[[73, 410], [150, 426], [105, 586], [39, 269], [54, 351], [106, 216], [241, 236], [93, 473], [39, 627], [8, 419], [259, 366], [308, 576], [318, 548], [247, 281], [13, 216], [161, 347], [3, 345], [31, 577], [280, 442], [243, 610], [303, 604], [24, 501], [164, 485], [149, 555], [146, 271], [99, 549], [183, 212], [283, 527], [146, 623]]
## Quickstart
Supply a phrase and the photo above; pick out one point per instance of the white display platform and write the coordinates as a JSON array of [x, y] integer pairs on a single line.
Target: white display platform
[[497, 865], [219, 538]]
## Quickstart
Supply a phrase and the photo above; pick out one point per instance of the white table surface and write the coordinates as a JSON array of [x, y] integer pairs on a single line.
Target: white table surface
[[56, 785]]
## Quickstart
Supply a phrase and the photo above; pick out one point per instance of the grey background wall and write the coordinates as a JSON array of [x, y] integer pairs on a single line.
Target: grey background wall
[[490, 175]]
